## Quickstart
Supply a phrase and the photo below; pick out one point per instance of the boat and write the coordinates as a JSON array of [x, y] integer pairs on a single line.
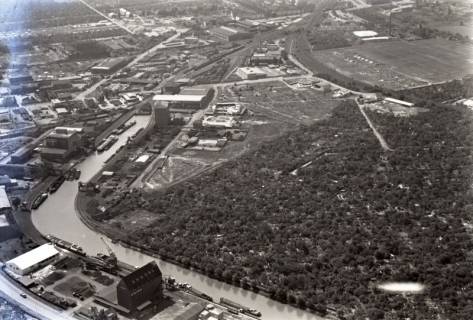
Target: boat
[[76, 174], [65, 245], [57, 184], [107, 143], [39, 200], [248, 311], [200, 294]]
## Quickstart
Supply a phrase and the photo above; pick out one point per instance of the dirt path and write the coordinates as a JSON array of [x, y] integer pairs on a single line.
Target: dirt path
[[378, 135]]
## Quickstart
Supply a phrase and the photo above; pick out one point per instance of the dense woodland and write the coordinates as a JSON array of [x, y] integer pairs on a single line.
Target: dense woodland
[[321, 216]]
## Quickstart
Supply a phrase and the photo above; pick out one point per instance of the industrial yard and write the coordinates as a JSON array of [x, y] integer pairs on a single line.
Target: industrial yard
[[62, 275]]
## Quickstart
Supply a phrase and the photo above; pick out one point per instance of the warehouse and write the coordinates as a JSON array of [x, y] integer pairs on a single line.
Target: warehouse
[[134, 292], [5, 205], [109, 65], [195, 98], [33, 260], [231, 34], [250, 73]]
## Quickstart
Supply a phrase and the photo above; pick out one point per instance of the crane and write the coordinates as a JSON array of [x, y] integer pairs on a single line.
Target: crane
[[112, 258]]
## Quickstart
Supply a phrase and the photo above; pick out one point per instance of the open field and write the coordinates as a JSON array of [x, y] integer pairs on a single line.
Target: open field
[[278, 100], [402, 64]]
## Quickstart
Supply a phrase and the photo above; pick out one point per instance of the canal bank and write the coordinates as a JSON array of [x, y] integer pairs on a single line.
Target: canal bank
[[58, 216]]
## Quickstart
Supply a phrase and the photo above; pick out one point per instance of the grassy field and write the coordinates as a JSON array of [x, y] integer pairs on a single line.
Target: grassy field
[[402, 64]]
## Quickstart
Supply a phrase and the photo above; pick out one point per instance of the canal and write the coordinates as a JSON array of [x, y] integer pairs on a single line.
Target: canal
[[57, 216]]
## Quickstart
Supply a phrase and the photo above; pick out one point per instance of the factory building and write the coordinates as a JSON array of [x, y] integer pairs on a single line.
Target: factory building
[[109, 65], [250, 73], [219, 122], [140, 288], [134, 292], [61, 144], [162, 115], [231, 34], [195, 98], [33, 260], [5, 205], [22, 155]]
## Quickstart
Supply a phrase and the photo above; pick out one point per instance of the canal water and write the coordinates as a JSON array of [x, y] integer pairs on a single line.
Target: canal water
[[57, 216]]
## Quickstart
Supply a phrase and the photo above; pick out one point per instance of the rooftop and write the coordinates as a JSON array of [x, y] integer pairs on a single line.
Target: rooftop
[[34, 256], [365, 33], [178, 98], [4, 201]]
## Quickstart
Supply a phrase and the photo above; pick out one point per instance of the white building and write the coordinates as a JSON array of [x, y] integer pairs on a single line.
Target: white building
[[33, 260], [4, 200], [228, 108], [250, 73], [365, 33], [219, 122], [400, 102]]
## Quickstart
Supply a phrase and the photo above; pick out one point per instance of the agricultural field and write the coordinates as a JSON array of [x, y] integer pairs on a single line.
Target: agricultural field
[[401, 64]]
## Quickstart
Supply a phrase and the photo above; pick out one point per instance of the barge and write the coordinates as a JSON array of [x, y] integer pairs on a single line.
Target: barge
[[231, 305], [39, 200]]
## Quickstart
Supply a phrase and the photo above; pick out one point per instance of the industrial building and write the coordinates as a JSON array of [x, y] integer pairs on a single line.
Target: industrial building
[[61, 144], [228, 108], [231, 34], [5, 205], [250, 73], [134, 292], [33, 260], [195, 98], [5, 115], [22, 155], [162, 115], [219, 122], [109, 65]]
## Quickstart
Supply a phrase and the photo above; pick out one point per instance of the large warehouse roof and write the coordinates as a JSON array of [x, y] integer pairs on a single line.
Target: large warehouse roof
[[178, 98], [4, 201], [34, 257]]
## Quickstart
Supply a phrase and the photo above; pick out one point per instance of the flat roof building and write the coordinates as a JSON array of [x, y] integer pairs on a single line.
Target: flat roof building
[[5, 204], [109, 65], [250, 73], [231, 34], [60, 144], [365, 33], [190, 98], [33, 260]]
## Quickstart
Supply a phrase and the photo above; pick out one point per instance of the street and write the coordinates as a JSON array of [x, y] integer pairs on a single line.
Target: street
[[31, 304]]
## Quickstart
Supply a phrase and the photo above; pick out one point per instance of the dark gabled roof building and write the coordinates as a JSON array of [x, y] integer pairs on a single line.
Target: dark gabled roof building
[[140, 288]]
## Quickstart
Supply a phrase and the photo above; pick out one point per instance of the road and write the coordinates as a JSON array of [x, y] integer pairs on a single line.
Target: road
[[88, 91], [378, 135], [31, 304], [106, 17]]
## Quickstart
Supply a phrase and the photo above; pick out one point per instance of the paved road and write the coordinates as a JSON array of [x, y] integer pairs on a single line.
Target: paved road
[[84, 94], [31, 304]]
